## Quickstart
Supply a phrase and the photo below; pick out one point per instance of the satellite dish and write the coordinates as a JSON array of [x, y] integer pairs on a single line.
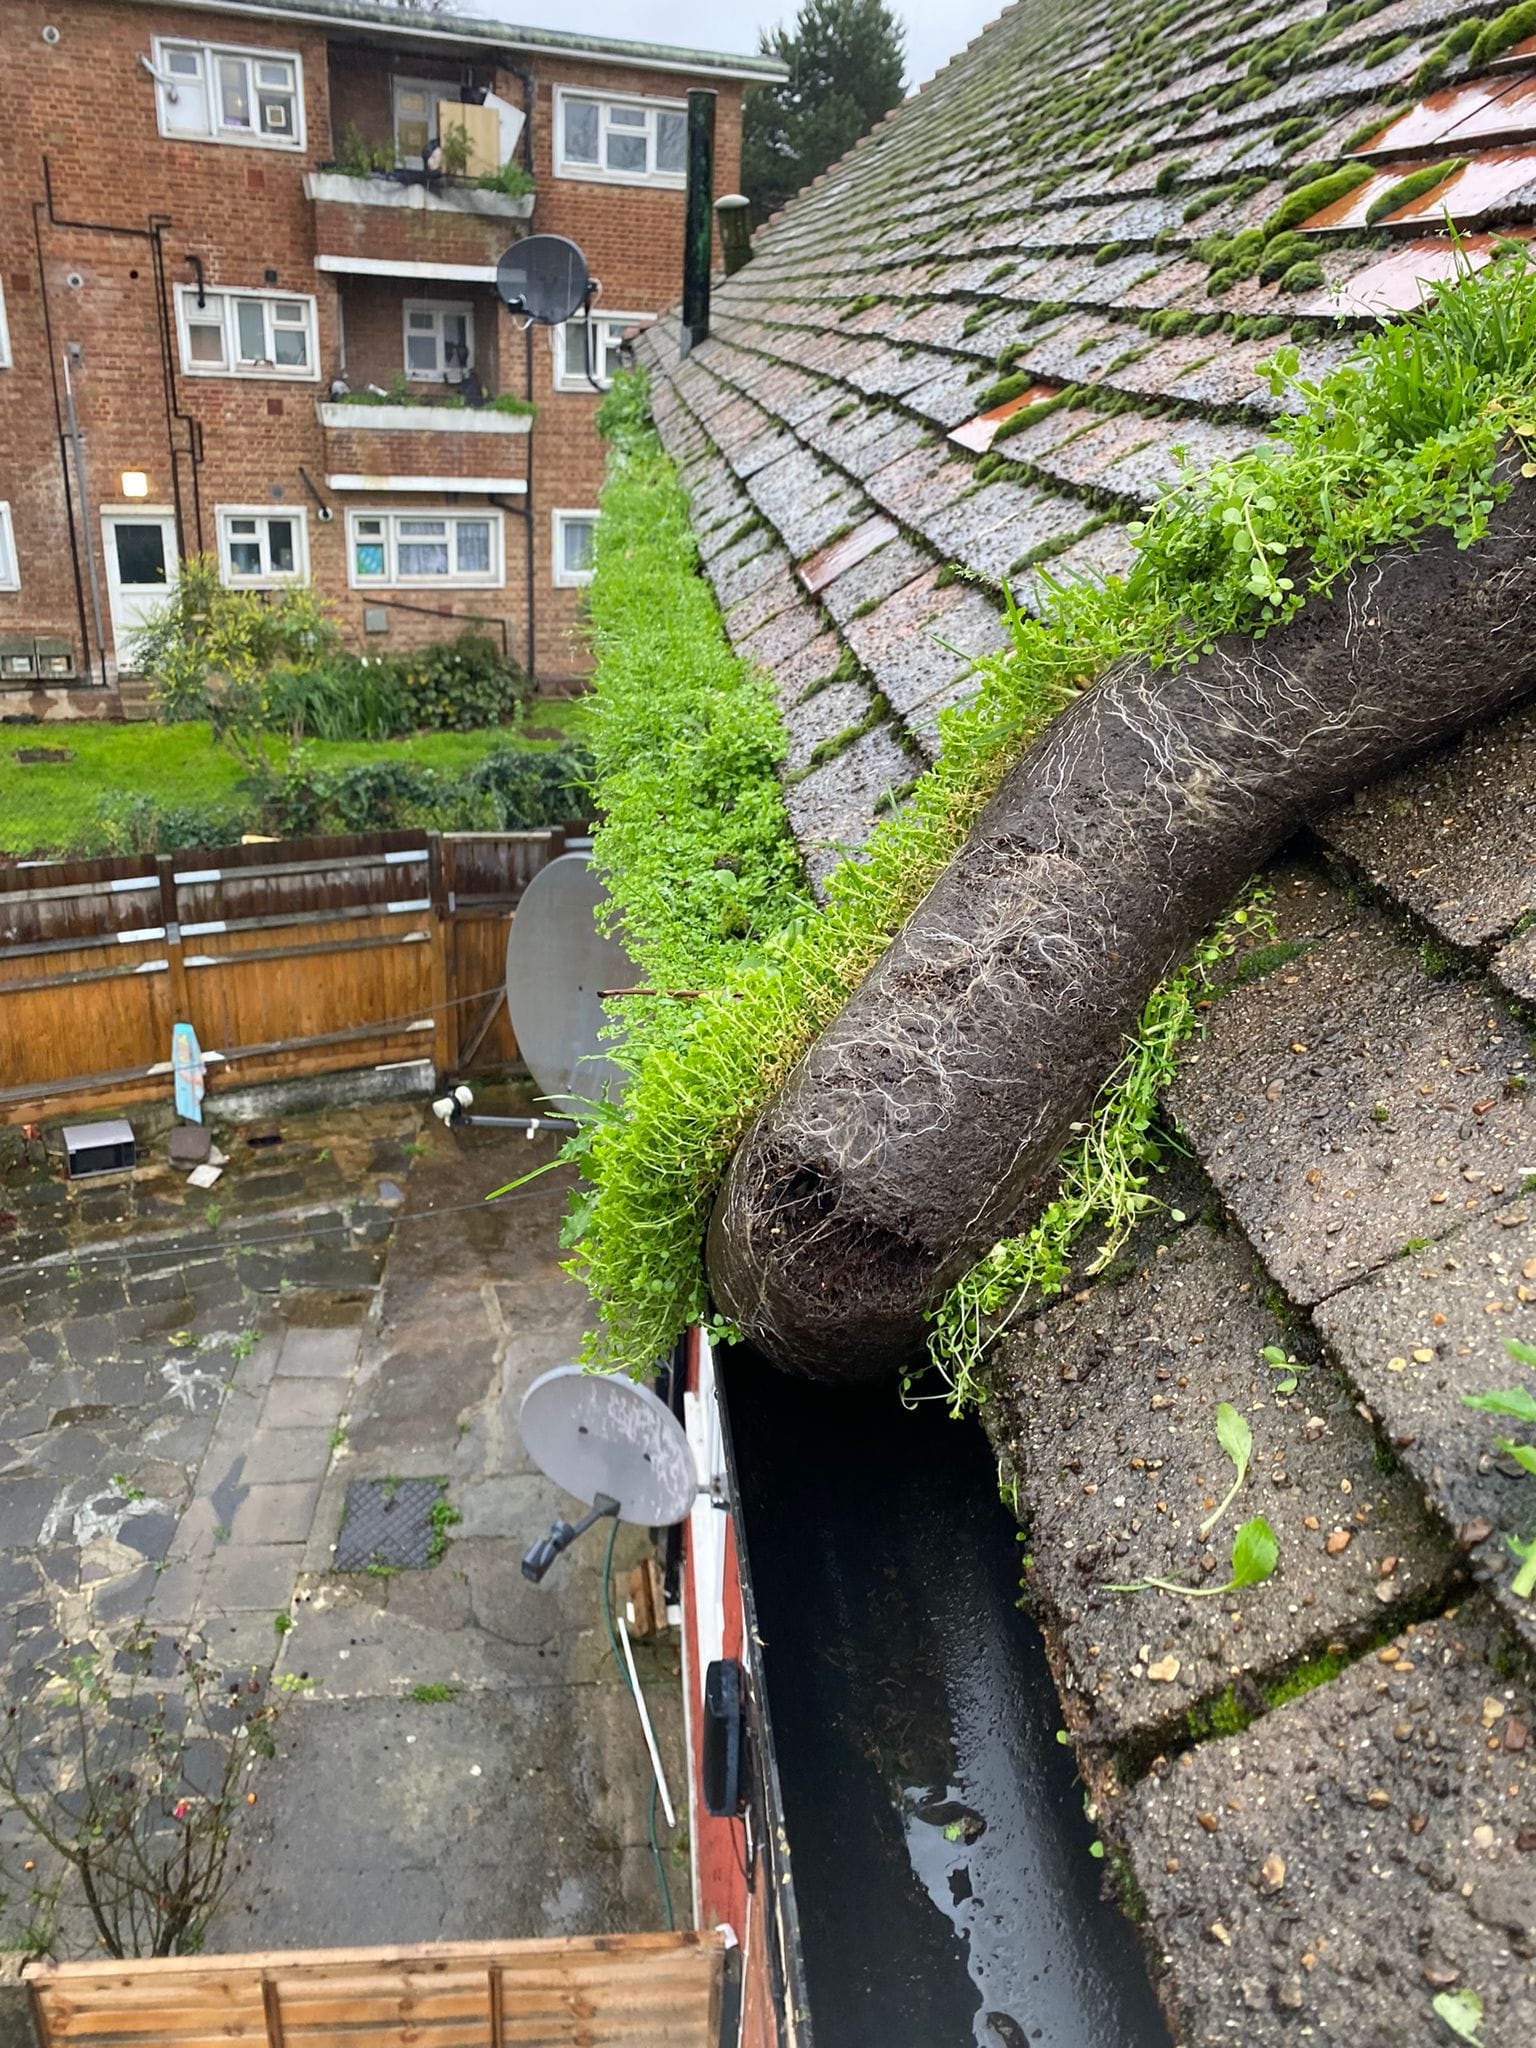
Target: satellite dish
[[602, 1438], [557, 960], [543, 277]]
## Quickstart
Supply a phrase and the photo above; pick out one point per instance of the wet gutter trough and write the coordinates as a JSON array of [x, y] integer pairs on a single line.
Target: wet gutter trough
[[946, 1886]]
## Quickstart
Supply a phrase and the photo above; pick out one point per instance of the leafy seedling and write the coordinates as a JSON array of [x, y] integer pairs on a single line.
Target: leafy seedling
[[1521, 1404], [1255, 1553], [1281, 1362], [1462, 2012], [1236, 1439]]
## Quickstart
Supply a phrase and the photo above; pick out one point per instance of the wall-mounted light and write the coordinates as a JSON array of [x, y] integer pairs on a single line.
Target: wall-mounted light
[[135, 484]]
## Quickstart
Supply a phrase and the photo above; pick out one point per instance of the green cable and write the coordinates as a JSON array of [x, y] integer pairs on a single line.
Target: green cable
[[623, 1671]]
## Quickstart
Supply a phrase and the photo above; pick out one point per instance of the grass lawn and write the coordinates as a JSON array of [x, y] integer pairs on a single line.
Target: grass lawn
[[47, 805]]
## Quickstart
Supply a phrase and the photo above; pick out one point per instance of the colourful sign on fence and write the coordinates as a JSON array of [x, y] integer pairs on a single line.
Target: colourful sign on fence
[[190, 1075]]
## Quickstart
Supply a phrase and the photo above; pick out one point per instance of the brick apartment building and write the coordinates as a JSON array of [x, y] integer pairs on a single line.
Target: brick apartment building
[[209, 229]]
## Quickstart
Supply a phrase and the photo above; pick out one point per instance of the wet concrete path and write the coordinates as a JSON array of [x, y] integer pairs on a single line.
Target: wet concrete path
[[191, 1385]]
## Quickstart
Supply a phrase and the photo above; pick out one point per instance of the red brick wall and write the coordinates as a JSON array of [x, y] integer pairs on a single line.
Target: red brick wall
[[103, 288]]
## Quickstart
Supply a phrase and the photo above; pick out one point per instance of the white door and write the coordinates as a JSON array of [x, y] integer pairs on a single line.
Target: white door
[[141, 573]]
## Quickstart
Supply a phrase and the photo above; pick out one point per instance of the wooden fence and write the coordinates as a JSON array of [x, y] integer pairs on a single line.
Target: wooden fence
[[601, 1991], [287, 958]]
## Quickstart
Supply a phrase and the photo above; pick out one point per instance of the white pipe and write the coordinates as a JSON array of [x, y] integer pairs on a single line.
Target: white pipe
[[645, 1723]]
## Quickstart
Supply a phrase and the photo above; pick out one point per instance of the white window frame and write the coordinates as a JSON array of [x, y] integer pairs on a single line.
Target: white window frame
[[598, 173], [285, 373], [435, 89], [166, 83], [268, 578], [5, 333], [568, 380], [437, 307], [492, 579], [563, 578], [10, 568]]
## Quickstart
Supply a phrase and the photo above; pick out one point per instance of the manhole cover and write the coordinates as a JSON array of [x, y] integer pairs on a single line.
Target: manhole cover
[[394, 1525]]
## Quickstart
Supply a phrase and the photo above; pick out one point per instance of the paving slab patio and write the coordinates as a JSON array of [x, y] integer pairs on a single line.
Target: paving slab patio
[[187, 1387]]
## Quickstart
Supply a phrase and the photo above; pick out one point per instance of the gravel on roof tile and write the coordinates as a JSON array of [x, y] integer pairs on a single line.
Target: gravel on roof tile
[[1323, 1874], [1351, 1102], [1451, 838], [1106, 1410], [1421, 1333]]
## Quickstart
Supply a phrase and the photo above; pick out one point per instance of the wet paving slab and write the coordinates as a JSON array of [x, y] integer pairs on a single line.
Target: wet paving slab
[[189, 1386]]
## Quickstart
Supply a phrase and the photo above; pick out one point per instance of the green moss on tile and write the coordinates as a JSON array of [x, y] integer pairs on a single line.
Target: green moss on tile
[[1312, 198], [1511, 27], [1303, 277], [1170, 175], [1383, 53], [1414, 186]]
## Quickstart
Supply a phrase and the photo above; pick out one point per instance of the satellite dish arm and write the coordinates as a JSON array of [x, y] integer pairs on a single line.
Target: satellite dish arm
[[538, 1560]]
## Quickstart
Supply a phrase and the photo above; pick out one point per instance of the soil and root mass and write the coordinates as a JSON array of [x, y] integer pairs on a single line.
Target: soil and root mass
[[883, 1083], [927, 1121]]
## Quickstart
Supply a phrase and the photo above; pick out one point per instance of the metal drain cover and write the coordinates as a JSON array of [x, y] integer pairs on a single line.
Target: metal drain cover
[[388, 1524]]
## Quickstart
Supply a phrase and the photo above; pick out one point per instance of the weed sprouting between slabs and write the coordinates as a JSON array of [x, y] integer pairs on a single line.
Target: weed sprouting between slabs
[[696, 848], [1520, 1403]]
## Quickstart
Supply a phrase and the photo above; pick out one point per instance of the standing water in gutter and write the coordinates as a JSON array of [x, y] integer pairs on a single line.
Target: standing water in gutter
[[943, 1863]]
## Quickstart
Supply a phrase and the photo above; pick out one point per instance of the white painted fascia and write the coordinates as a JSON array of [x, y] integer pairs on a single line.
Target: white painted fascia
[[477, 486], [383, 266], [422, 419], [337, 189]]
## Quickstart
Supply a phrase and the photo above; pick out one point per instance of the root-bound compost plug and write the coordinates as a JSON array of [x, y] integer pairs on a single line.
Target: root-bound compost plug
[[927, 1120]]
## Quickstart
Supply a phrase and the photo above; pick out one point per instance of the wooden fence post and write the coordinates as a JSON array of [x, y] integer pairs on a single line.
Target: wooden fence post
[[445, 1016], [181, 997]]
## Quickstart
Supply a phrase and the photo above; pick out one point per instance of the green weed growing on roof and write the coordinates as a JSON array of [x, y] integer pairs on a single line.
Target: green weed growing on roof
[[1402, 439]]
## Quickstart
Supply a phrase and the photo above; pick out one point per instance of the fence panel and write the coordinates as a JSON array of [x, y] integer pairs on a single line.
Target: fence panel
[[604, 1991], [286, 958]]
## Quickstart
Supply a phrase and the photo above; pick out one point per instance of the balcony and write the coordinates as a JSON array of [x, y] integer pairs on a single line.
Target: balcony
[[403, 447], [382, 225]]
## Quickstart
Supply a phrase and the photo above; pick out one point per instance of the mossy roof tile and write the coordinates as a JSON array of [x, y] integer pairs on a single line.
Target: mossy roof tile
[[1025, 213]]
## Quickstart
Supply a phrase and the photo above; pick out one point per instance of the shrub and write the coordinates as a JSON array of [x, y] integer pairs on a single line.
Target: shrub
[[461, 685], [207, 651]]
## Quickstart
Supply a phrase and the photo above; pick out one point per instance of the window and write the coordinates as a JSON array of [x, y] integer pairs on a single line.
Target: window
[[9, 579], [259, 547], [633, 142], [5, 334], [418, 550], [439, 340], [571, 348], [574, 534], [228, 333], [416, 118], [207, 92]]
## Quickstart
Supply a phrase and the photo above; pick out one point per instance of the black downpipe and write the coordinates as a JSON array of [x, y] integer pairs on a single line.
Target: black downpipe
[[698, 223], [58, 421], [532, 661], [152, 234], [530, 86]]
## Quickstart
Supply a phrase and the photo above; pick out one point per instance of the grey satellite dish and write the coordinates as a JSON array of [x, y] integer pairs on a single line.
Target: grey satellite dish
[[544, 278], [557, 960], [610, 1442]]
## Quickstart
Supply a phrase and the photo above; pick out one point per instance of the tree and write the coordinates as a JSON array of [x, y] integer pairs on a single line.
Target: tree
[[845, 62]]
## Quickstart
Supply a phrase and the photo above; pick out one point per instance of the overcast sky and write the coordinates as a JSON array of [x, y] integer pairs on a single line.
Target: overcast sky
[[935, 33]]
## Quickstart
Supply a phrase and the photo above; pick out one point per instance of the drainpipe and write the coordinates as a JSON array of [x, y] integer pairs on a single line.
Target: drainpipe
[[698, 226], [77, 450]]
